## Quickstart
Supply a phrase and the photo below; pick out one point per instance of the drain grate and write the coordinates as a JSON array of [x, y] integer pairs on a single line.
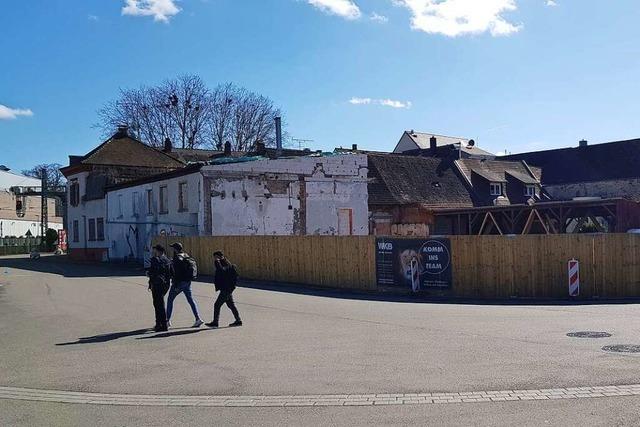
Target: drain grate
[[622, 348], [589, 334]]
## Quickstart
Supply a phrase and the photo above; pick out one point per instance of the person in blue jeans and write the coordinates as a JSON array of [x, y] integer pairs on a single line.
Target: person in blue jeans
[[181, 283]]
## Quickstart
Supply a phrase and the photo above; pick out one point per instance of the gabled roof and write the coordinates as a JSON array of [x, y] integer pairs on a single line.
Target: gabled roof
[[123, 150], [422, 142], [600, 162], [523, 178], [193, 155], [406, 180], [422, 139]]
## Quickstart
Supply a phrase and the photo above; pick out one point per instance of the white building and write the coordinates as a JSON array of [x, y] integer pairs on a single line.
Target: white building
[[166, 204], [119, 159], [311, 195], [26, 222], [315, 194]]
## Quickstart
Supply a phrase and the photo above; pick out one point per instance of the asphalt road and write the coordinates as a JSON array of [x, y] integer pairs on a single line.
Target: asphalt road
[[82, 328]]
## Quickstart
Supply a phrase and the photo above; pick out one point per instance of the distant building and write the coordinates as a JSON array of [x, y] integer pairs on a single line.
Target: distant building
[[420, 143], [602, 170], [26, 222]]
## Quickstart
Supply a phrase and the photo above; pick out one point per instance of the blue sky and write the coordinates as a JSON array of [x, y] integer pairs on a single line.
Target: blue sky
[[513, 74]]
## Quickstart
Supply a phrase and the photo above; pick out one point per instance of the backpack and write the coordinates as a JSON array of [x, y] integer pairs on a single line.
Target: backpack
[[190, 267]]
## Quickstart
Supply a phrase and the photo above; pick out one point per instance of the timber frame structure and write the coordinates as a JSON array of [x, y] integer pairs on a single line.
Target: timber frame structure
[[557, 217]]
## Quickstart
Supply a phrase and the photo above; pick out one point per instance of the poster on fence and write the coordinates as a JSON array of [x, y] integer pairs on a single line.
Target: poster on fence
[[405, 262]]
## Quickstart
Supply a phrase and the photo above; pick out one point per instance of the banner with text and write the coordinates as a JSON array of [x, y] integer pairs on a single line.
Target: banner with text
[[410, 262]]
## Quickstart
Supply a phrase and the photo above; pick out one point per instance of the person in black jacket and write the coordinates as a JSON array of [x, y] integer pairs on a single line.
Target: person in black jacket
[[159, 273], [226, 277]]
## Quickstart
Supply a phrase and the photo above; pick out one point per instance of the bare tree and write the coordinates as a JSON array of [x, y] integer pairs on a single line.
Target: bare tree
[[52, 171], [177, 109], [191, 115]]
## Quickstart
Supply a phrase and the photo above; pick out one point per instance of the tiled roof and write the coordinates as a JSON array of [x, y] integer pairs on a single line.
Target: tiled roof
[[495, 170], [599, 162], [126, 151], [426, 181]]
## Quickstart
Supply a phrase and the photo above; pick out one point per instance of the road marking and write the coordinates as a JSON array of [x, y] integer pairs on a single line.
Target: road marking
[[57, 396]]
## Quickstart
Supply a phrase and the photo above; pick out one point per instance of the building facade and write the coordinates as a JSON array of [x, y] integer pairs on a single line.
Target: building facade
[[16, 222], [119, 159]]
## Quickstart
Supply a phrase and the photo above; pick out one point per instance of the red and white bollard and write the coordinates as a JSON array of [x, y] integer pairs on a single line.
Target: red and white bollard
[[574, 277]]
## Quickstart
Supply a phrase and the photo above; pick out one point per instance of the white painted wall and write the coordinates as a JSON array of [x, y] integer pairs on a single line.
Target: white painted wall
[[130, 233], [18, 228], [262, 197]]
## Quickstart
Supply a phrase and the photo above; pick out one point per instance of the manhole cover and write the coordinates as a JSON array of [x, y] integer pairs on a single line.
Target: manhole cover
[[589, 334], [622, 348]]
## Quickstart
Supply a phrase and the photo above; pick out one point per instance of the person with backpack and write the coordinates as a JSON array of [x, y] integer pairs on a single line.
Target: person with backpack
[[159, 274], [185, 270], [226, 279]]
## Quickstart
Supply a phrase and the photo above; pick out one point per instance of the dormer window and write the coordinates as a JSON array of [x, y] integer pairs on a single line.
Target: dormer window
[[495, 189], [530, 190]]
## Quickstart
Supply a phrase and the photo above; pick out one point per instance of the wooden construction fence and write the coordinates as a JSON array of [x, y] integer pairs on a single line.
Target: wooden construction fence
[[484, 267]]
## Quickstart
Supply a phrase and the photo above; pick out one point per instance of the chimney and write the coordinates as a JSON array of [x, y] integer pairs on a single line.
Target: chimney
[[354, 147], [278, 136], [583, 143], [433, 143], [227, 149], [167, 145], [123, 131]]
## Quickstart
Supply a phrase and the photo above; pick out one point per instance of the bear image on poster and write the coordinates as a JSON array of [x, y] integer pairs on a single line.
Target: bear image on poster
[[405, 258]]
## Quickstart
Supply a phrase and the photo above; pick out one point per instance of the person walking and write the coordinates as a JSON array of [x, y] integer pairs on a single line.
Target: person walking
[[184, 271], [159, 274], [226, 278]]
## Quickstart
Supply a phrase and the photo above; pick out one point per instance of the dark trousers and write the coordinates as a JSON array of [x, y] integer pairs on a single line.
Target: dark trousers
[[225, 297], [158, 304]]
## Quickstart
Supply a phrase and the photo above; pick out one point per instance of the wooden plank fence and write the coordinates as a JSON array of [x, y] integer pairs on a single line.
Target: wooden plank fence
[[484, 267]]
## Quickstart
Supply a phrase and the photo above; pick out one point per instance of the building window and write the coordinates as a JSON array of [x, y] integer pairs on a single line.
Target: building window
[[134, 203], [76, 231], [149, 202], [495, 189], [74, 192], [183, 199], [164, 200], [100, 229], [120, 206], [530, 190], [92, 229]]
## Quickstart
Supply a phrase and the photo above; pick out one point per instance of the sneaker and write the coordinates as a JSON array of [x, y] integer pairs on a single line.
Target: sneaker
[[161, 329], [212, 324], [198, 323], [168, 324], [236, 323]]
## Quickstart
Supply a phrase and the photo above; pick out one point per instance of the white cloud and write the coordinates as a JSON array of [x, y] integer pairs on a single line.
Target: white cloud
[[395, 104], [384, 102], [375, 17], [461, 17], [344, 8], [161, 10], [7, 113], [93, 18], [360, 101], [551, 3]]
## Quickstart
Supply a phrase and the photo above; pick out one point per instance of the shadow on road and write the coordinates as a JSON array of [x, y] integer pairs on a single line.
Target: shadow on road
[[176, 333], [63, 266], [106, 337]]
